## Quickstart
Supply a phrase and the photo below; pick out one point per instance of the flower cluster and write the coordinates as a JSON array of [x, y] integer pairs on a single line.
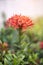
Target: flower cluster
[[41, 45], [3, 46], [19, 21]]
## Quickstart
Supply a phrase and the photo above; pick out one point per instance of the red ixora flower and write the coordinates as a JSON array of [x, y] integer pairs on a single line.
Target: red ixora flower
[[19, 21], [41, 45]]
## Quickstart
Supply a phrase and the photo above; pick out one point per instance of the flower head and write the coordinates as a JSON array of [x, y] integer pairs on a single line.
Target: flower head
[[19, 21]]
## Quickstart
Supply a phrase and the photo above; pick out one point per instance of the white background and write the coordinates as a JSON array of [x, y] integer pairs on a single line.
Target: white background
[[30, 8]]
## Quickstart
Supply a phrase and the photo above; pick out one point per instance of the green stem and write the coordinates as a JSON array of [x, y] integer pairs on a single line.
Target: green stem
[[20, 33], [19, 36]]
